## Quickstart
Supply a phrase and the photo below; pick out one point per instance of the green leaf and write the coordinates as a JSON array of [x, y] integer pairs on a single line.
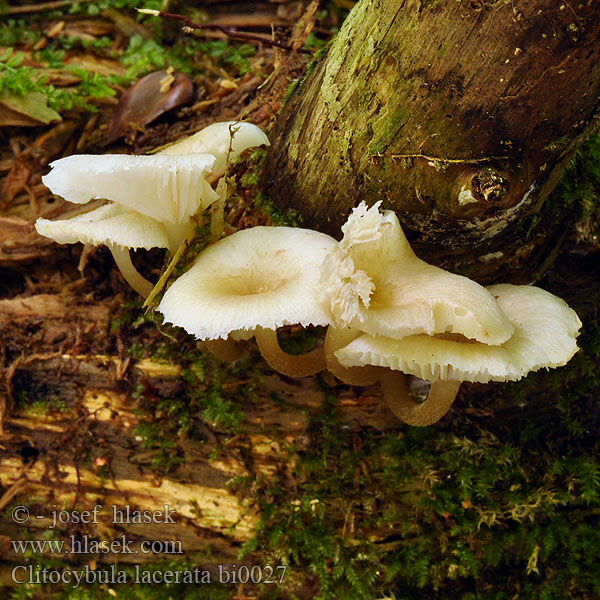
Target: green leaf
[[32, 105]]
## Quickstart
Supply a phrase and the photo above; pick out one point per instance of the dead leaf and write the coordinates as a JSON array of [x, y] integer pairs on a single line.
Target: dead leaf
[[94, 64], [16, 180], [126, 25], [50, 143], [144, 102], [28, 110], [39, 153]]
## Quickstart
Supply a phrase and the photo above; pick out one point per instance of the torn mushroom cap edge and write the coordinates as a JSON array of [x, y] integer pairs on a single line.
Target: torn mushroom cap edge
[[373, 281]]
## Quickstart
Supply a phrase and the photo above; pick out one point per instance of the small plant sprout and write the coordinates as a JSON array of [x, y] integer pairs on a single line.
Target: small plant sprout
[[252, 283], [152, 199], [545, 333]]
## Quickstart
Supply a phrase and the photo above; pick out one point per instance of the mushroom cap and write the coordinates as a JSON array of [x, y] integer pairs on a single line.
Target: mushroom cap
[[373, 281], [545, 333], [166, 188], [108, 224], [260, 277], [217, 139]]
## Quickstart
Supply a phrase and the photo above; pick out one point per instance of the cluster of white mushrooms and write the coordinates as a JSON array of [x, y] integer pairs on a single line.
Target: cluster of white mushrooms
[[152, 199], [387, 312]]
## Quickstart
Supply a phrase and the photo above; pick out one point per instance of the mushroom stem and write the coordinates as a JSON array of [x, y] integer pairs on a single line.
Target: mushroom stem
[[227, 350], [123, 260], [177, 233], [183, 246], [336, 338], [436, 405], [294, 366]]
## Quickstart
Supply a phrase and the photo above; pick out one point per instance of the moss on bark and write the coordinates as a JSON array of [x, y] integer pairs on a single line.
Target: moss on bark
[[460, 116]]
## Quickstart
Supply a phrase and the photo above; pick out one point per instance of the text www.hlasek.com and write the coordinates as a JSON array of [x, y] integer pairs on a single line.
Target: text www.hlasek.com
[[86, 545]]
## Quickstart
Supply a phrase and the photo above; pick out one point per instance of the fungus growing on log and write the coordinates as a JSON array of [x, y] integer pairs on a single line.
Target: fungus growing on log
[[155, 193], [114, 226], [374, 282], [544, 337], [391, 309], [252, 283]]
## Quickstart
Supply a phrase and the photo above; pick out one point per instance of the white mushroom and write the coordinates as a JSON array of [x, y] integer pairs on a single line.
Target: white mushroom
[[116, 227], [338, 338], [545, 333], [225, 141], [153, 193], [169, 189], [254, 281], [373, 281], [159, 192]]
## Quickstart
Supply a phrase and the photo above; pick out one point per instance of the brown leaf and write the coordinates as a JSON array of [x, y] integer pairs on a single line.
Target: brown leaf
[[50, 143], [40, 152], [16, 180], [149, 98]]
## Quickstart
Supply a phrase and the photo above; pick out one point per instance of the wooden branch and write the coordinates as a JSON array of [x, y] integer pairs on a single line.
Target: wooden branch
[[231, 32], [40, 7]]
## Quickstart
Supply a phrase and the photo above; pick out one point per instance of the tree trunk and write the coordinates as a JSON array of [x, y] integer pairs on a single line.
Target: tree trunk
[[459, 116]]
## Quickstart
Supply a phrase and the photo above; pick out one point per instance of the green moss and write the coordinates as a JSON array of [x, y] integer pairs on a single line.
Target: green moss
[[473, 507], [40, 406], [433, 513], [385, 127], [319, 54], [577, 196], [282, 218]]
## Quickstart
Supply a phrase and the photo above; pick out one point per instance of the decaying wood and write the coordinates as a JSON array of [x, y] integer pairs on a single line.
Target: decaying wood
[[54, 457], [459, 116]]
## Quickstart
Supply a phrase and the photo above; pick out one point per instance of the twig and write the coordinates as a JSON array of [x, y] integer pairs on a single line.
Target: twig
[[6, 395], [449, 160], [31, 8], [231, 32], [16, 488]]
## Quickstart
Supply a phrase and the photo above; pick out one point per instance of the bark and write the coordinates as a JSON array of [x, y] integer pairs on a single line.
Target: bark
[[49, 459], [459, 116]]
